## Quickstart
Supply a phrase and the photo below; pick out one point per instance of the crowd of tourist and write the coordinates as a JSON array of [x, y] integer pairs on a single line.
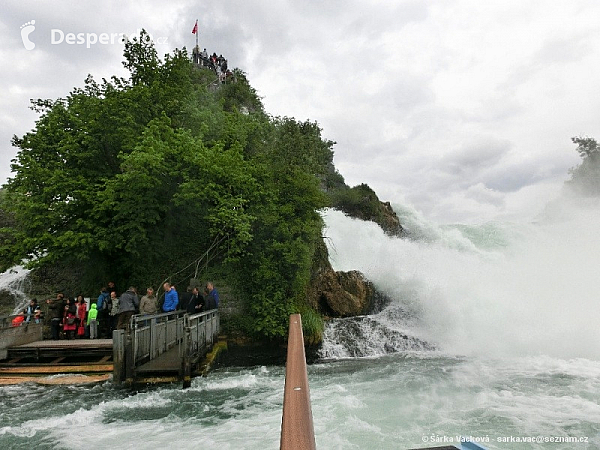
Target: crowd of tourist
[[218, 64], [69, 318]]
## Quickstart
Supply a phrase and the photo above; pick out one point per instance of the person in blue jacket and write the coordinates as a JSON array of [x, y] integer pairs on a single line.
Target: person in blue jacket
[[213, 295], [103, 305], [171, 298], [104, 294]]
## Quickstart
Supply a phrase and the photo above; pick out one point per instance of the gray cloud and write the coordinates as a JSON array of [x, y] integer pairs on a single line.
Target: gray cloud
[[462, 109], [474, 156]]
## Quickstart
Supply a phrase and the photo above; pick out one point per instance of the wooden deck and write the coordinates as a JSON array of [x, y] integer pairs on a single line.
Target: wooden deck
[[67, 344], [63, 351], [77, 361], [128, 358], [47, 354], [68, 380]]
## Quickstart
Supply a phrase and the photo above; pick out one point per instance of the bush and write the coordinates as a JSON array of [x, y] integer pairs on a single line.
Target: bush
[[359, 201], [312, 326]]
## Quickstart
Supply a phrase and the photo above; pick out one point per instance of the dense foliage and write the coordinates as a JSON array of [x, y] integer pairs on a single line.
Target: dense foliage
[[359, 201], [133, 179]]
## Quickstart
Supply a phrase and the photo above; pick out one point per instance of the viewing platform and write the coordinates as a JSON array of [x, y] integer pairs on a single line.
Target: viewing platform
[[158, 348]]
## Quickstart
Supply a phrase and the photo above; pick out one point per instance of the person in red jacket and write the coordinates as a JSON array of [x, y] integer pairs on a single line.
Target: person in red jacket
[[81, 312]]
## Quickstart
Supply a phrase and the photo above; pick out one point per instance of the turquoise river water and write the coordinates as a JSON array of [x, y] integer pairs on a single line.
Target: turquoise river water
[[491, 334]]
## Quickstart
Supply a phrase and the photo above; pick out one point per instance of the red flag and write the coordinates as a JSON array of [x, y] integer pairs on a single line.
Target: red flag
[[195, 29]]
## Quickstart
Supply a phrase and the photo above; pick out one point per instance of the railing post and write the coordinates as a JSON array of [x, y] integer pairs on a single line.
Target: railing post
[[186, 361], [210, 328], [129, 359], [297, 432], [151, 337], [217, 323], [118, 356]]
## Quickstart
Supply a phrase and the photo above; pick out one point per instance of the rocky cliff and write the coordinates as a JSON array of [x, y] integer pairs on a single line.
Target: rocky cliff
[[341, 294], [361, 202]]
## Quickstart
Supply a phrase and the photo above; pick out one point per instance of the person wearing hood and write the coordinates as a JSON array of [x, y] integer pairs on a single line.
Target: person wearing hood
[[92, 321]]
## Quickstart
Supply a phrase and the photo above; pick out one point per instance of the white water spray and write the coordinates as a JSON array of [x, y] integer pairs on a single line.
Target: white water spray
[[14, 282], [494, 290]]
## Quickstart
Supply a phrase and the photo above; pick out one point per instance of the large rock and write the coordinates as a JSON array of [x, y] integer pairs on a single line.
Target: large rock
[[389, 221], [340, 294]]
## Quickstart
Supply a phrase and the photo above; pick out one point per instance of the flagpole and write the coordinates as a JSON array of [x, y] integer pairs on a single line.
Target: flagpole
[[196, 51]]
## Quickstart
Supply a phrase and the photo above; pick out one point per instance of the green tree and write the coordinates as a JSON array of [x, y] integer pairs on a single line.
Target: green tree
[[108, 175], [288, 225], [133, 179], [585, 178]]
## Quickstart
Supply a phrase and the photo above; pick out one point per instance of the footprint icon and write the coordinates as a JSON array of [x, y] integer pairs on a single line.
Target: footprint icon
[[26, 30]]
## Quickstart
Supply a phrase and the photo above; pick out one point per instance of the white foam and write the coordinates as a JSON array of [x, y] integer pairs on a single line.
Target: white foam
[[536, 296], [14, 280]]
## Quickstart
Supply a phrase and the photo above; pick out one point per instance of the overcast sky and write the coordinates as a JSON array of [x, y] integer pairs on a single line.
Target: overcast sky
[[463, 109]]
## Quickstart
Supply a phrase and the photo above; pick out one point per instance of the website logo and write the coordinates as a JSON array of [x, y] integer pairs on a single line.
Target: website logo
[[88, 40], [26, 30]]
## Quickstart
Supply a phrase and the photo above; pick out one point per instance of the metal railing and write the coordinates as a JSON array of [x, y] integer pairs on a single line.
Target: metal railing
[[7, 321], [203, 330], [20, 334], [154, 334], [149, 336]]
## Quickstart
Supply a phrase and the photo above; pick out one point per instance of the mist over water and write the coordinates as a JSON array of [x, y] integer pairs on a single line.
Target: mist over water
[[494, 290]]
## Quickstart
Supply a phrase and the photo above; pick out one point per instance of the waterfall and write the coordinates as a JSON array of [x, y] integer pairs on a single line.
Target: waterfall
[[495, 289], [13, 285]]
